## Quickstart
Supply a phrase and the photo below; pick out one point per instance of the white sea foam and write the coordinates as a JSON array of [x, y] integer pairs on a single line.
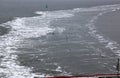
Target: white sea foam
[[40, 12], [27, 27], [22, 28], [114, 46], [59, 29], [98, 8]]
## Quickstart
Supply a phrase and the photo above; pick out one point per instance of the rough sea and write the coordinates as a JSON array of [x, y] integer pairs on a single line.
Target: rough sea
[[57, 43]]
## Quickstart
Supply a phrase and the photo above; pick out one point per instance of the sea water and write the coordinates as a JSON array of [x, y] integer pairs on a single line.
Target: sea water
[[55, 43]]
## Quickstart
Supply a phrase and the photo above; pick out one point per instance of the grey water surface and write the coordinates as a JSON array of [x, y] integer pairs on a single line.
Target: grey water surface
[[63, 40]]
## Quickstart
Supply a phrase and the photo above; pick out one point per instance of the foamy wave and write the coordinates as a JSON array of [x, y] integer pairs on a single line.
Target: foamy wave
[[59, 29], [56, 14], [40, 26], [99, 8], [22, 28], [112, 45], [9, 66], [39, 12]]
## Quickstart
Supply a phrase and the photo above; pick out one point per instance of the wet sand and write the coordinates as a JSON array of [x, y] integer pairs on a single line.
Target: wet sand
[[109, 25]]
